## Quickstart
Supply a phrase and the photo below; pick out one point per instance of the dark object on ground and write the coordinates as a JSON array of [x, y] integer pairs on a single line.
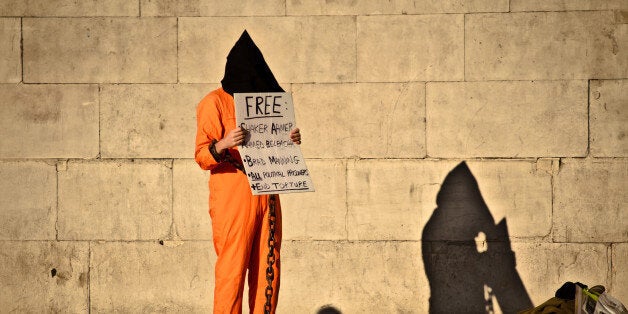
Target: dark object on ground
[[328, 309]]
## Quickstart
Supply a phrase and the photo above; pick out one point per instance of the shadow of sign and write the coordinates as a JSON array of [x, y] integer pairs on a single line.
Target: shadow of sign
[[467, 257]]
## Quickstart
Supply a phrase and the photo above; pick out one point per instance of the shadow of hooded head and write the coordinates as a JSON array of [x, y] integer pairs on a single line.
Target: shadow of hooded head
[[457, 268]]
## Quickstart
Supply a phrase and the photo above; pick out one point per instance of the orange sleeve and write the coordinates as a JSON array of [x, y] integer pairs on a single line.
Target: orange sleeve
[[208, 128]]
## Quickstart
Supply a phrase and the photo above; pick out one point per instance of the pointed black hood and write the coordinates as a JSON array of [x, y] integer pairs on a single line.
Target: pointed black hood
[[246, 71]]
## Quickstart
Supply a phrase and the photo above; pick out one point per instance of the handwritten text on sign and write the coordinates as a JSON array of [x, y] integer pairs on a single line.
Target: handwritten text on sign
[[273, 163]]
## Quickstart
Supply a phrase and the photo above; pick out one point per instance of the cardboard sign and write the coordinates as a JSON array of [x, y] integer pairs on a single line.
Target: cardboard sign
[[273, 163]]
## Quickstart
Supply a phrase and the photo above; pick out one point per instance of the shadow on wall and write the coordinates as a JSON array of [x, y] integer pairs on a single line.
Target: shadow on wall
[[466, 273]]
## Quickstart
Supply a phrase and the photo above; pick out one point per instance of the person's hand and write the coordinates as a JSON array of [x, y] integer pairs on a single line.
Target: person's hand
[[234, 138], [295, 136]]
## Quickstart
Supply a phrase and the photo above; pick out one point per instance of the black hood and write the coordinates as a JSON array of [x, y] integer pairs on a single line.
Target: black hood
[[246, 71]]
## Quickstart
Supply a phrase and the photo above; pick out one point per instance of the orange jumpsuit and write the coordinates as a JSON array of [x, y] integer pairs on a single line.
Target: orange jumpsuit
[[239, 219]]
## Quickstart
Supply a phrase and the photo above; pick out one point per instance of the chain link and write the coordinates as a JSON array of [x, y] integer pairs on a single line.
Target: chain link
[[270, 258]]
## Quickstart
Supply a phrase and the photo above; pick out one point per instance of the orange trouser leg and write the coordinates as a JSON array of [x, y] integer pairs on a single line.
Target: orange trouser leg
[[238, 229], [258, 262], [233, 225]]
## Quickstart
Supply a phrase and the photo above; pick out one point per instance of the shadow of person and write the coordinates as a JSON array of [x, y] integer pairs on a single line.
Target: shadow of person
[[464, 276]]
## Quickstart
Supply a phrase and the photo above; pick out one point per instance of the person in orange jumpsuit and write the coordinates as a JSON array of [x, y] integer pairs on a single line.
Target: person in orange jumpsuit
[[239, 224]]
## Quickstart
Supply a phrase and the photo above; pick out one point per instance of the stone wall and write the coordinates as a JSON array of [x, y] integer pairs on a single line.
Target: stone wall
[[104, 209]]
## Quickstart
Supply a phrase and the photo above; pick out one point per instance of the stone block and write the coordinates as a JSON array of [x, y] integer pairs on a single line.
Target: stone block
[[389, 50], [44, 277], [48, 121], [10, 51], [320, 215], [507, 119], [545, 267], [28, 207], [100, 50], [149, 121], [115, 200], [619, 274], [591, 201], [545, 46], [369, 120], [519, 193], [467, 278], [372, 7], [211, 8], [621, 17], [354, 277], [396, 200], [65, 8], [191, 200], [561, 5], [297, 49], [385, 197], [609, 118], [145, 277]]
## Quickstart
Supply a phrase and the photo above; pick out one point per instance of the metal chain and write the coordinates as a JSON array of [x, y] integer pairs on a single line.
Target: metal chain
[[270, 258]]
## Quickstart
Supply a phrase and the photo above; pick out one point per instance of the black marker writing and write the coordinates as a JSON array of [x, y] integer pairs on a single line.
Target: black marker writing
[[253, 161], [297, 172], [272, 174], [254, 176], [289, 185], [255, 128], [280, 127], [263, 105], [283, 160]]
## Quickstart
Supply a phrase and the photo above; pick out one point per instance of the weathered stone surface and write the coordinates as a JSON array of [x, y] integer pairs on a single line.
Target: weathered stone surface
[[69, 8], [370, 7], [320, 215], [10, 51], [461, 272], [104, 50], [354, 277], [562, 5], [115, 200], [390, 51], [619, 274], [545, 267], [191, 200], [545, 45], [44, 277], [366, 119], [517, 192], [386, 198], [539, 84], [621, 17], [48, 121], [394, 199], [212, 8], [609, 118], [297, 49], [28, 204], [507, 119], [149, 121], [590, 201], [145, 277]]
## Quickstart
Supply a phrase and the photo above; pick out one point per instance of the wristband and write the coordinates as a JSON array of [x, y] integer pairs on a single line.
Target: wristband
[[212, 150]]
